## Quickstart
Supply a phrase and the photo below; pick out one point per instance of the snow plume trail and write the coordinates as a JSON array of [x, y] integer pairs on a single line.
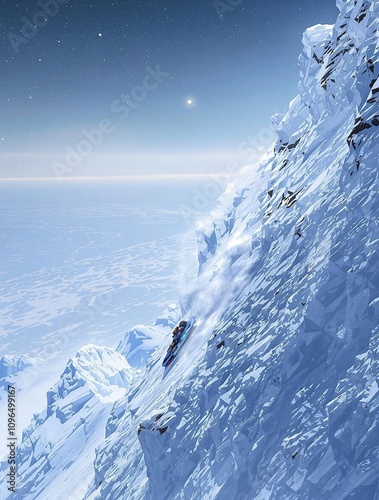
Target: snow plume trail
[[238, 253]]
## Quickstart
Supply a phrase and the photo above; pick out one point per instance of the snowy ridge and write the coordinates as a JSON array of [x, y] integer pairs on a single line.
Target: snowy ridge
[[104, 370], [12, 364], [57, 449]]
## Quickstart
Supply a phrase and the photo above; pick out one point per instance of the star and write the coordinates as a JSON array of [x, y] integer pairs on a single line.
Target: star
[[190, 102]]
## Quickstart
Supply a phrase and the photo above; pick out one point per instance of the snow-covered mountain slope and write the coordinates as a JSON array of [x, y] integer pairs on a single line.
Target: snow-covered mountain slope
[[11, 365], [32, 381], [58, 448], [275, 393], [141, 341]]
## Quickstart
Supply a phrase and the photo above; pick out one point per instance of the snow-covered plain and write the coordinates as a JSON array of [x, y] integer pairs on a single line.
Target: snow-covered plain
[[275, 394]]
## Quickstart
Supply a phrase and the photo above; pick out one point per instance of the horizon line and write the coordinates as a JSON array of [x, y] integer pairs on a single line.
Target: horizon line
[[116, 177]]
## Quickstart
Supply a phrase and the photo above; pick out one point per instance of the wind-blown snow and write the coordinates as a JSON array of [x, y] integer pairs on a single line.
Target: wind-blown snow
[[275, 394]]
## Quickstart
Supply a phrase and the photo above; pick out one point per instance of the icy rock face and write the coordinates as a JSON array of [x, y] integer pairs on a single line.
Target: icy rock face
[[141, 341], [57, 449], [275, 394]]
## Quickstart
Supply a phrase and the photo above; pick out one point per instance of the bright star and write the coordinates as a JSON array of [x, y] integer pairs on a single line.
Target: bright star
[[190, 102]]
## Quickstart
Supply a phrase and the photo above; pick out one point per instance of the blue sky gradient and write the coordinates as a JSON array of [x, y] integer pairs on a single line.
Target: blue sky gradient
[[111, 83]]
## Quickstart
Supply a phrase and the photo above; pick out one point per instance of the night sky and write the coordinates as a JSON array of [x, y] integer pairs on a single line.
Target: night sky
[[212, 83]]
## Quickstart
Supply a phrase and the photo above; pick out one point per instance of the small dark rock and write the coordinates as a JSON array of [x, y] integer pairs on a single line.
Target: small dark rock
[[221, 344], [294, 455], [140, 429]]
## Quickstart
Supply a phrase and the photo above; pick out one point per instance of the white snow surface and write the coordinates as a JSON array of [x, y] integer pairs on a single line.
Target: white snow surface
[[55, 458], [275, 394], [31, 380], [11, 365], [141, 341]]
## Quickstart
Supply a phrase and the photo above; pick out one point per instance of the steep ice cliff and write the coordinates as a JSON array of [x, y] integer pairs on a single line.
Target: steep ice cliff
[[275, 394]]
